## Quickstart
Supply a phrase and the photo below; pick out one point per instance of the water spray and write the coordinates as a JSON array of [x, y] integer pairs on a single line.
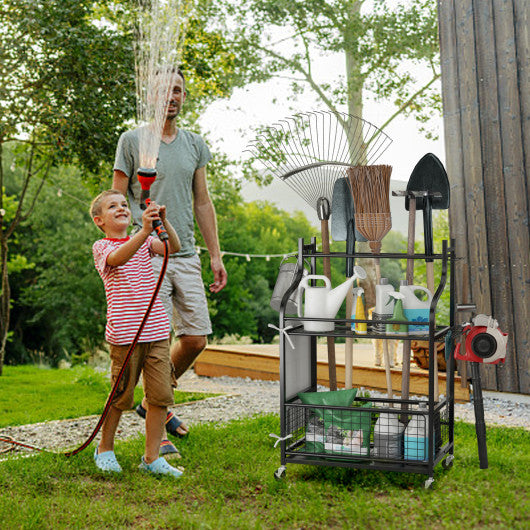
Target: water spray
[[158, 51]]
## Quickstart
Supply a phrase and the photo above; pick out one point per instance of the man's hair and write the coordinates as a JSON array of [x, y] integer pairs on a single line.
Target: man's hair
[[173, 70], [95, 206]]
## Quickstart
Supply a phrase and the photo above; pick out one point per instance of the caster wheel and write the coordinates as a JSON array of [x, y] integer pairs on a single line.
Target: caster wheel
[[428, 483], [448, 462], [279, 474]]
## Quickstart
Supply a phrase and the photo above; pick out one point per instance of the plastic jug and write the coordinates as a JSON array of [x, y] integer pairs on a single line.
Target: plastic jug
[[417, 436], [358, 311], [388, 436], [384, 304], [416, 310]]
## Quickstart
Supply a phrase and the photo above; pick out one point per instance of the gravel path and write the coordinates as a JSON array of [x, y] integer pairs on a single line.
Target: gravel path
[[242, 397]]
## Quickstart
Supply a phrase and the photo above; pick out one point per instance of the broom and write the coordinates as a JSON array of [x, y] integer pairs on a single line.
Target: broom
[[370, 187]]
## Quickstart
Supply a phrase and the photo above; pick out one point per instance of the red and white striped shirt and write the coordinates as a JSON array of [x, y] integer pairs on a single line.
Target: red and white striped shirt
[[129, 289]]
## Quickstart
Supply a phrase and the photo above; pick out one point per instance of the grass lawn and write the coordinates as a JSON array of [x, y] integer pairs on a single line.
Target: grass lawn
[[31, 394], [228, 483]]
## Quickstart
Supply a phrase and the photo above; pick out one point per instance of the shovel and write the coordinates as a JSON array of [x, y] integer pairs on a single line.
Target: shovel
[[429, 176], [343, 229]]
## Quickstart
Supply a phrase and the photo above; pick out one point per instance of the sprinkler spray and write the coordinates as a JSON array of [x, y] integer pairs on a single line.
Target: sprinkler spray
[[146, 177]]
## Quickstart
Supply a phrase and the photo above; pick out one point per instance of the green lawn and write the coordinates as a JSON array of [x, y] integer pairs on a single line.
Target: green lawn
[[228, 483], [30, 394]]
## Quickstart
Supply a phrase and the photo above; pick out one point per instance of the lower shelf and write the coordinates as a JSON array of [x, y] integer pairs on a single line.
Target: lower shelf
[[367, 436]]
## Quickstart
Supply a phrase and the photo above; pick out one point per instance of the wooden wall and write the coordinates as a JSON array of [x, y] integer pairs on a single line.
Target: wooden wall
[[485, 56]]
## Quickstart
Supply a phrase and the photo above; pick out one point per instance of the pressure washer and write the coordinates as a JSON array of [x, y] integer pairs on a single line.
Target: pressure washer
[[146, 177]]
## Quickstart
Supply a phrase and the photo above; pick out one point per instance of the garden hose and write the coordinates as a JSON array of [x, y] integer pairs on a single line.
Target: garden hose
[[12, 443]]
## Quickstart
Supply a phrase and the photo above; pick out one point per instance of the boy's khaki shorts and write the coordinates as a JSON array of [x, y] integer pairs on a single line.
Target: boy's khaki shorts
[[152, 360]]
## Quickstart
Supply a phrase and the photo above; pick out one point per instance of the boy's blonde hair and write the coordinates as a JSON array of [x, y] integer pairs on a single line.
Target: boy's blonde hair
[[95, 205]]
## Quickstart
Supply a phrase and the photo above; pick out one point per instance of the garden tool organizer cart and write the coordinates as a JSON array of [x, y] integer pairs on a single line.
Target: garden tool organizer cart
[[362, 432]]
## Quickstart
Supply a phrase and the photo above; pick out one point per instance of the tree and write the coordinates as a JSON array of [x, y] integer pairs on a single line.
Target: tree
[[58, 308], [67, 89], [286, 37], [61, 99]]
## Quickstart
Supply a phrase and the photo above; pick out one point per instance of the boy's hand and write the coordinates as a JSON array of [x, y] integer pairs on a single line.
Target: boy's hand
[[162, 213], [150, 214]]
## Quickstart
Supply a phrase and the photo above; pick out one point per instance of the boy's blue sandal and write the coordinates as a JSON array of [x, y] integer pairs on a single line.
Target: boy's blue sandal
[[168, 449], [107, 461], [172, 422], [160, 467]]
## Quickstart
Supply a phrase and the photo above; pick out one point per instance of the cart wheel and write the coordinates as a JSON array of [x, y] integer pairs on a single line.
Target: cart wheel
[[448, 462], [428, 483], [279, 474]]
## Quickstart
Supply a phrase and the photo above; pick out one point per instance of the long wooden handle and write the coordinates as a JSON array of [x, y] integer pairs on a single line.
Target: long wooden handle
[[348, 347], [430, 286], [411, 237], [386, 356], [332, 367]]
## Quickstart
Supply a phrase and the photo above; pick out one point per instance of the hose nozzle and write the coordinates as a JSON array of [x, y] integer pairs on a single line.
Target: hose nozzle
[[146, 177]]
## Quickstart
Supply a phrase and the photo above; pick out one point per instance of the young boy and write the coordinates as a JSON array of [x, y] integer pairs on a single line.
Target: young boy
[[124, 264]]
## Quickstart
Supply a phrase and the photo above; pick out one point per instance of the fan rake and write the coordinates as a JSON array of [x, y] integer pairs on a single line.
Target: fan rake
[[310, 151]]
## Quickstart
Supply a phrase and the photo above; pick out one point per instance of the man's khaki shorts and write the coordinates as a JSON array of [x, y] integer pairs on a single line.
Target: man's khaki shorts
[[182, 294], [151, 359]]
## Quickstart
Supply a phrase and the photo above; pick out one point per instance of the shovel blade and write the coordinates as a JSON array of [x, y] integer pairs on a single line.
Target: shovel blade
[[429, 175], [342, 212]]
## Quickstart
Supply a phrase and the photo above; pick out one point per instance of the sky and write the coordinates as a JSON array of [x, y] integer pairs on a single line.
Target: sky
[[230, 127]]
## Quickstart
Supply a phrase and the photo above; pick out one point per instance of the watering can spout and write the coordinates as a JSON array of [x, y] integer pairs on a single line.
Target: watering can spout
[[336, 296]]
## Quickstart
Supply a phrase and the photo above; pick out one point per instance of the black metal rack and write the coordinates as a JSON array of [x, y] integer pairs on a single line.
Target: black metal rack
[[313, 434]]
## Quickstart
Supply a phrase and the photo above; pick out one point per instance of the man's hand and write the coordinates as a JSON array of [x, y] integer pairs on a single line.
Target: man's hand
[[219, 275]]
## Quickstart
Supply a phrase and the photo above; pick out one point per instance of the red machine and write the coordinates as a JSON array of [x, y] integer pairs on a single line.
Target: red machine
[[484, 341]]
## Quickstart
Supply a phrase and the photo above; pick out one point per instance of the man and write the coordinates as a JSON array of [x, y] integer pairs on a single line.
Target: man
[[182, 187]]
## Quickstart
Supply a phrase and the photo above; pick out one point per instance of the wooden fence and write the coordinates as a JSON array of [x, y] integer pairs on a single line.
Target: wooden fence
[[485, 60]]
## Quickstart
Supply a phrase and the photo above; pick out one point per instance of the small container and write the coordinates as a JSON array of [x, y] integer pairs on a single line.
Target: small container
[[358, 311], [388, 436], [417, 436], [384, 304]]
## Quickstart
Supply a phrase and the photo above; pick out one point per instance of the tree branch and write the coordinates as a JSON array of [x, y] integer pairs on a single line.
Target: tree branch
[[408, 103], [307, 76]]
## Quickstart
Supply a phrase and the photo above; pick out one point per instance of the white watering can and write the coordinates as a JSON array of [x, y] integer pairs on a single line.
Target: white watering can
[[324, 302]]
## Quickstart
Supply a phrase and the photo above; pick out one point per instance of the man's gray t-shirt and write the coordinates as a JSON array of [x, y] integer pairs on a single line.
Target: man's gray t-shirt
[[175, 166]]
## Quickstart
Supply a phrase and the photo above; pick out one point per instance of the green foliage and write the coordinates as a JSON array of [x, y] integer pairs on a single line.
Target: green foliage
[[66, 81], [243, 307], [440, 225], [59, 305], [394, 269], [228, 483]]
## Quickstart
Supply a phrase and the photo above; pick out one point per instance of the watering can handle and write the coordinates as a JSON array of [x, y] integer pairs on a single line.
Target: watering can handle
[[304, 284]]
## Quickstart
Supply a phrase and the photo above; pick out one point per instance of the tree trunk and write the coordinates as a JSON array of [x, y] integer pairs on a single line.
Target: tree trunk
[[4, 301]]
